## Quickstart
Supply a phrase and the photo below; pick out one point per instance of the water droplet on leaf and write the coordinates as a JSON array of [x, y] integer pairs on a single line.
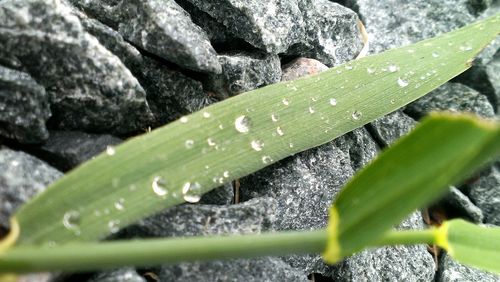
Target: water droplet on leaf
[[257, 145], [402, 82], [191, 192], [159, 186], [242, 124]]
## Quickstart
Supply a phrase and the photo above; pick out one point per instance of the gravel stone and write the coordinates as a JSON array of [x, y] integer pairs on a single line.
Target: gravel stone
[[160, 27], [24, 107], [451, 97], [89, 88], [398, 263], [389, 128], [21, 177], [301, 67], [452, 271], [119, 275], [243, 72], [170, 93], [67, 149], [485, 193], [459, 203], [317, 29]]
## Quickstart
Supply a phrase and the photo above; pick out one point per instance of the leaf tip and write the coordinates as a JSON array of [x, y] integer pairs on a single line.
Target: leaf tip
[[11, 238]]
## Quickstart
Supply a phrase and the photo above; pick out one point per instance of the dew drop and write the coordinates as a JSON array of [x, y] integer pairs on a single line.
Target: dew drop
[[311, 110], [348, 67], [257, 145], [184, 119], [393, 101], [110, 150], [290, 145], [266, 159], [422, 77], [159, 186], [226, 174], [191, 192], [206, 114], [189, 144], [113, 226], [211, 142], [243, 124], [280, 131], [314, 99], [333, 102], [221, 126], [285, 101], [356, 115], [274, 117], [465, 48], [71, 220], [411, 51], [370, 70], [119, 205], [393, 68], [291, 86], [402, 82], [435, 54]]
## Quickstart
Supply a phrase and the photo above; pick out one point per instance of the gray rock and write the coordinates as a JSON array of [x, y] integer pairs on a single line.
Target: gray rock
[[223, 195], [395, 23], [301, 67], [389, 128], [24, 107], [304, 187], [317, 29], [21, 177], [264, 269], [359, 145], [119, 275], [67, 149], [460, 204], [170, 94], [243, 72], [89, 87], [485, 193], [160, 27], [493, 72], [398, 263], [451, 97], [253, 216], [452, 271]]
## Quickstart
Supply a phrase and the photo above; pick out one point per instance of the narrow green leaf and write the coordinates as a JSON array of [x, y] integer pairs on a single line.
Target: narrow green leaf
[[241, 135], [471, 244], [442, 150]]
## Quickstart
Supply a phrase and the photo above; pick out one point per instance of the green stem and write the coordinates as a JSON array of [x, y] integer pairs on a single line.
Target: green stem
[[407, 237], [93, 256]]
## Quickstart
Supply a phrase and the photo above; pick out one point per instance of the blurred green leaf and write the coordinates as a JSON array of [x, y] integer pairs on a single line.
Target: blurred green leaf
[[238, 136], [444, 149], [477, 246]]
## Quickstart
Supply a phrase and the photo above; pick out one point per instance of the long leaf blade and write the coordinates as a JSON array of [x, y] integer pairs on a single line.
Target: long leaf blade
[[470, 244], [442, 150], [241, 135]]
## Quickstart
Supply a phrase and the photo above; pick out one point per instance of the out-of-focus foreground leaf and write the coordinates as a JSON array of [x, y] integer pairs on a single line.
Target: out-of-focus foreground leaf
[[444, 149], [470, 244], [238, 136]]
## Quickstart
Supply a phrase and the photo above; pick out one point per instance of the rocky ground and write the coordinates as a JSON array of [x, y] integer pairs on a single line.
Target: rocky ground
[[77, 76]]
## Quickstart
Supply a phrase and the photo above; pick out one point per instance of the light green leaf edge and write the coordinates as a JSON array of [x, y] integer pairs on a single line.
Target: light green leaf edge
[[443, 150], [471, 244], [309, 112]]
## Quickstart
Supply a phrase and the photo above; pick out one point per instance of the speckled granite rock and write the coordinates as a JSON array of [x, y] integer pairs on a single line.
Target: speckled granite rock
[[253, 216], [458, 203], [452, 271], [89, 87], [394, 23], [399, 263], [21, 177], [485, 193], [317, 29], [170, 94], [159, 27], [389, 128], [451, 97], [119, 275], [67, 149], [24, 107], [243, 72], [249, 270], [493, 72], [301, 67]]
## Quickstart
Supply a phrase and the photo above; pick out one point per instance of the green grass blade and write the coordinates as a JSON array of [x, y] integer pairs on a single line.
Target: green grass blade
[[214, 146], [442, 150], [470, 244]]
